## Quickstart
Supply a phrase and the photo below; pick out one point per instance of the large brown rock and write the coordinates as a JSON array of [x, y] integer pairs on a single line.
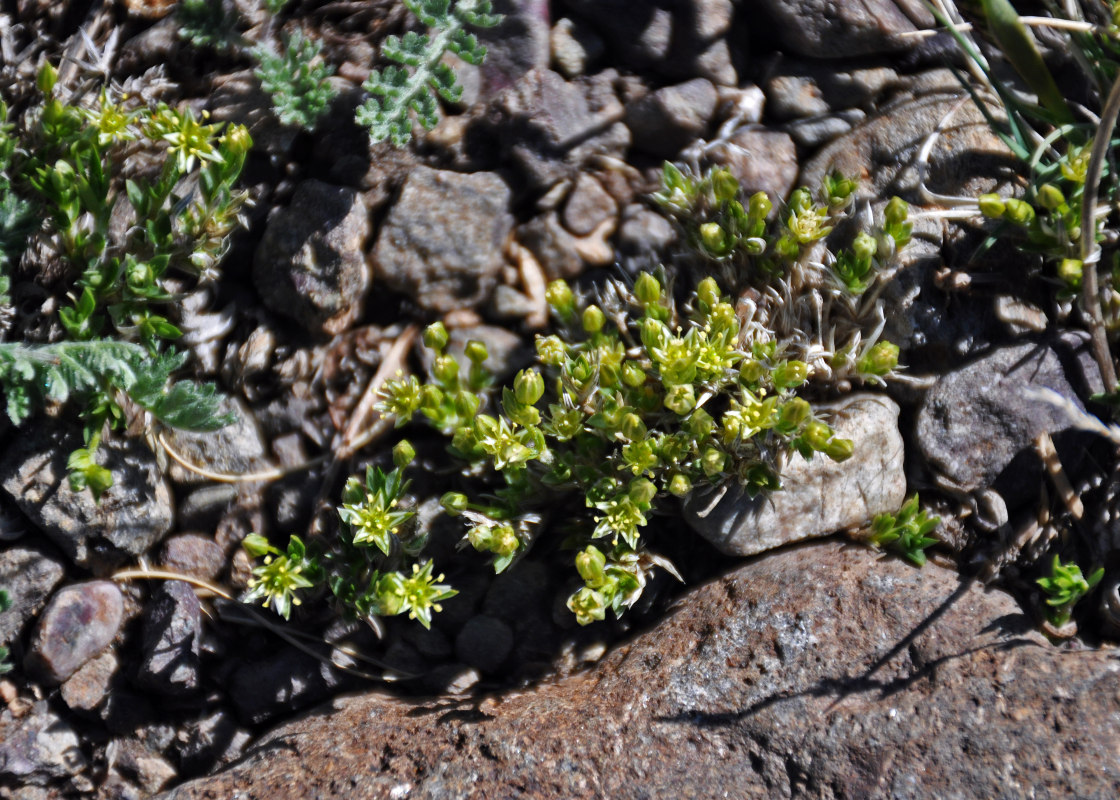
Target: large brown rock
[[815, 672]]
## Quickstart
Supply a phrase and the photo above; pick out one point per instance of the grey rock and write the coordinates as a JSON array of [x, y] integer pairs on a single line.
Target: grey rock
[[819, 496], [452, 679], [814, 88], [663, 122], [193, 554], [507, 352], [442, 241], [484, 642], [795, 96], [826, 29], [79, 622], [574, 47], [643, 232], [39, 748], [552, 246], [588, 206], [979, 418], [238, 98], [549, 127], [131, 759], [818, 672], [29, 576], [236, 449], [204, 506], [281, 684], [133, 514], [812, 132], [169, 662], [516, 592], [431, 643], [89, 686], [762, 160], [519, 43], [310, 265], [214, 738]]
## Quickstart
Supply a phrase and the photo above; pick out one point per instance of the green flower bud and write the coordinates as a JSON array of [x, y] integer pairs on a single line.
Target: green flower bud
[[466, 404], [647, 289], [880, 359], [481, 538], [633, 428], [896, 212], [700, 424], [760, 206], [789, 374], [551, 350], [817, 435], [528, 386], [445, 369], [559, 296], [642, 491], [256, 546], [1018, 211], [713, 461], [431, 398], [680, 399], [724, 186], [715, 240], [707, 292], [593, 319], [679, 485], [403, 453], [1070, 271], [435, 337], [1050, 197], [590, 564], [839, 449], [751, 372], [505, 541], [632, 374], [800, 200], [991, 205], [47, 78], [588, 606], [237, 141], [794, 412], [454, 503], [839, 190], [139, 274], [864, 246], [654, 333], [476, 351]]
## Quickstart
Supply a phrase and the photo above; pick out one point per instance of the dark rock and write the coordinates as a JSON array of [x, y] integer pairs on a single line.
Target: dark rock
[[170, 652], [643, 232], [431, 643], [452, 679], [981, 419], [442, 241], [819, 496], [813, 132], [38, 748], [814, 88], [517, 591], [87, 688], [125, 711], [78, 623], [826, 29], [554, 248], [819, 672], [213, 739], [29, 576], [193, 554], [204, 506], [762, 160], [310, 264], [484, 643], [549, 127], [282, 684], [519, 43], [131, 759], [588, 206], [133, 514], [238, 98], [236, 449], [663, 122]]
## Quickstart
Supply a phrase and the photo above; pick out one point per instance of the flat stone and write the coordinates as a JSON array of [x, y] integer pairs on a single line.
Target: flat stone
[[171, 645], [193, 554], [587, 207], [819, 496], [441, 243], [817, 672], [311, 265], [80, 621], [29, 576], [38, 748], [236, 449], [827, 29], [663, 122], [88, 687], [762, 161]]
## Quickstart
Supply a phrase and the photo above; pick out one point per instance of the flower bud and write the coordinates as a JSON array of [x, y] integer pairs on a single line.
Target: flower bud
[[1050, 197], [991, 205], [864, 246], [700, 424], [760, 205], [896, 212], [528, 386], [454, 503], [590, 564], [713, 461], [680, 399], [794, 412], [237, 141], [1070, 271], [647, 289], [632, 374], [839, 190], [47, 78], [715, 240], [476, 351], [403, 453], [707, 292], [880, 359], [817, 435], [633, 428], [800, 200], [679, 485], [505, 541], [559, 296], [551, 350], [481, 538], [724, 186], [446, 370], [642, 491], [435, 337], [593, 319], [1018, 211], [839, 449], [789, 374]]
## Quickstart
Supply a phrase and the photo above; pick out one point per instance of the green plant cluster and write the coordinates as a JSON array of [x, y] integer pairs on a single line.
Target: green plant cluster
[[5, 604], [906, 533], [1065, 587], [362, 568], [66, 167], [297, 80], [420, 73]]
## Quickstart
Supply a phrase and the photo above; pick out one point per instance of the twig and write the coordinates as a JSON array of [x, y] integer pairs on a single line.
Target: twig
[[273, 474]]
